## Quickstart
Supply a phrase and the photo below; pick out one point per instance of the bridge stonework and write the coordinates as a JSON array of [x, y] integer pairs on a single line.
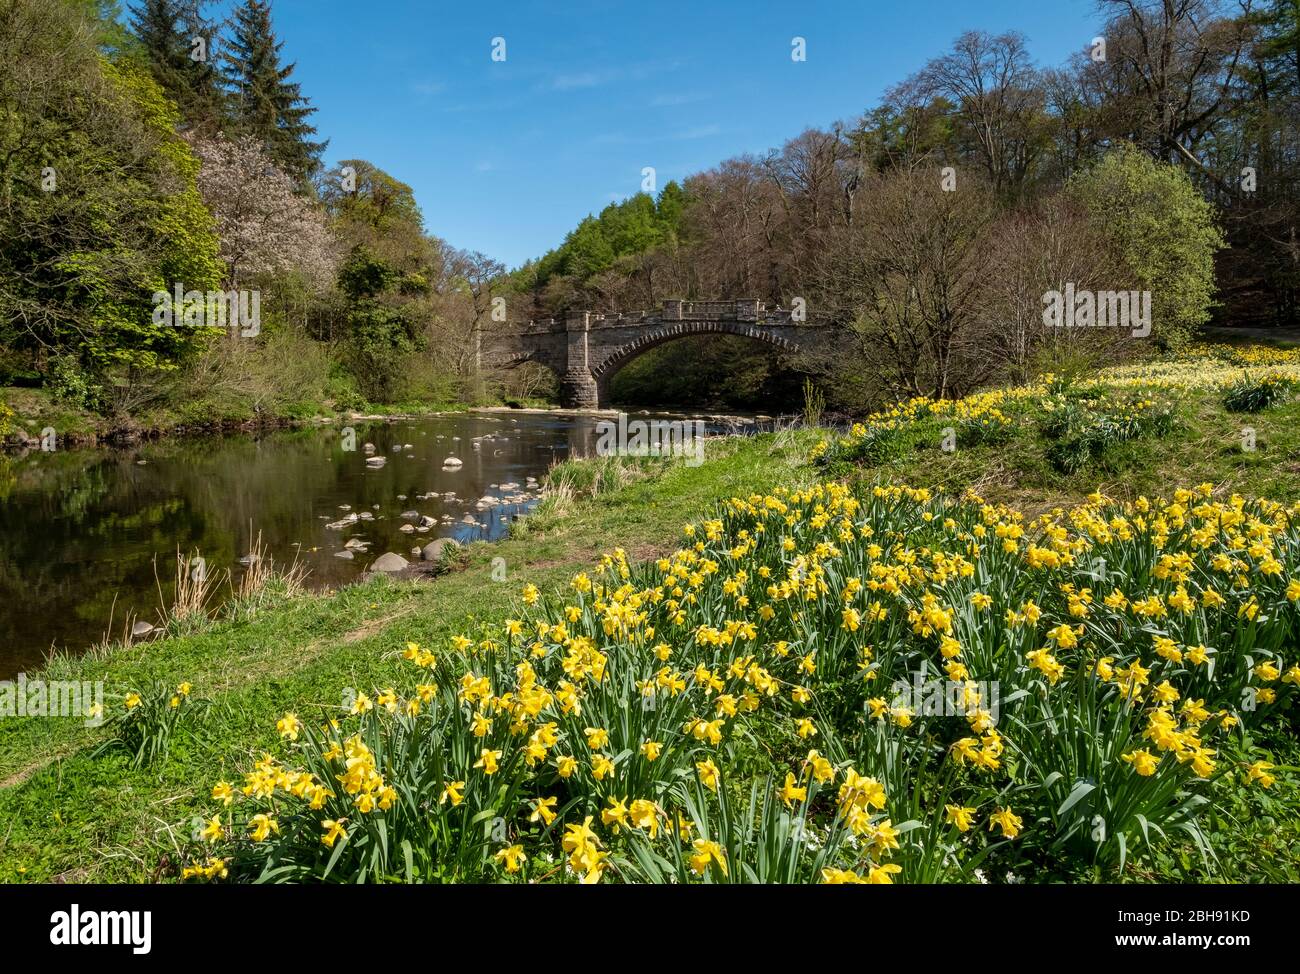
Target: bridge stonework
[[585, 350]]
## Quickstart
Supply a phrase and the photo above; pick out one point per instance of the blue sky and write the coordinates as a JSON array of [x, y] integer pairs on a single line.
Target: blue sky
[[506, 157]]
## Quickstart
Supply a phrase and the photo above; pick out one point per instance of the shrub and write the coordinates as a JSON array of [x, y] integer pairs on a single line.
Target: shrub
[[1163, 229], [1254, 395], [1081, 431]]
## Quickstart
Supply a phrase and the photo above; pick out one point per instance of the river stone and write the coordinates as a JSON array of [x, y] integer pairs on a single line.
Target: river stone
[[426, 521], [345, 554], [389, 562], [376, 462], [434, 549], [410, 515], [141, 628], [452, 463], [407, 529]]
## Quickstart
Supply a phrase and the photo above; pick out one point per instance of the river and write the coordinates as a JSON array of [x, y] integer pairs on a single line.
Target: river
[[91, 535]]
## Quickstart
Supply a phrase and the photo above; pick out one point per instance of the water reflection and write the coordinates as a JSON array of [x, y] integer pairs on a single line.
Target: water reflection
[[86, 535]]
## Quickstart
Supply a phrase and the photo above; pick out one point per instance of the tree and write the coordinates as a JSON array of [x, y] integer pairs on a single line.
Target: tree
[[106, 16], [997, 96], [264, 225], [1169, 68], [177, 41], [266, 104], [371, 207], [669, 208], [98, 203], [910, 279], [1255, 152], [1163, 230], [472, 280], [1033, 250], [381, 333]]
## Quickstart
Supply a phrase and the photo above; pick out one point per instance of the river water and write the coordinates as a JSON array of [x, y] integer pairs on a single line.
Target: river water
[[88, 536]]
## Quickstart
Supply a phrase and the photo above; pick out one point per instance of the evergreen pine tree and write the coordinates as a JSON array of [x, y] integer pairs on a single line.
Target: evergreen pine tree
[[178, 41], [266, 104]]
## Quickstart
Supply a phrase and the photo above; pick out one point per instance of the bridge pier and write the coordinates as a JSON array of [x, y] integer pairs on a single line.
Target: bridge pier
[[578, 390]]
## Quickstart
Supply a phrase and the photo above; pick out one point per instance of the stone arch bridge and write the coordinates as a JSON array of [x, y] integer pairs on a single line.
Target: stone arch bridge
[[585, 350]]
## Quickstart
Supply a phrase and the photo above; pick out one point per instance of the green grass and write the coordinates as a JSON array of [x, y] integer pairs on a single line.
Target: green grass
[[35, 409], [1205, 445]]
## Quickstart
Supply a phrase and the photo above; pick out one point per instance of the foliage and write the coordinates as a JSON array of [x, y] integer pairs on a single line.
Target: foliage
[[625, 229], [266, 105], [166, 32], [150, 718], [1254, 395], [380, 334], [1165, 231], [101, 207]]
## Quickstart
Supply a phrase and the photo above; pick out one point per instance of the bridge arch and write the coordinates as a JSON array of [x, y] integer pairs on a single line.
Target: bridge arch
[[604, 370], [506, 358]]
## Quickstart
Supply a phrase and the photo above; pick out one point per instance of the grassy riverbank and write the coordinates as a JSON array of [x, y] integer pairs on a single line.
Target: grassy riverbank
[[72, 814], [75, 816], [25, 413]]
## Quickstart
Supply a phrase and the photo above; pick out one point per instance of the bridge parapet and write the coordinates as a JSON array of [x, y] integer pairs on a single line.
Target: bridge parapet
[[673, 310]]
